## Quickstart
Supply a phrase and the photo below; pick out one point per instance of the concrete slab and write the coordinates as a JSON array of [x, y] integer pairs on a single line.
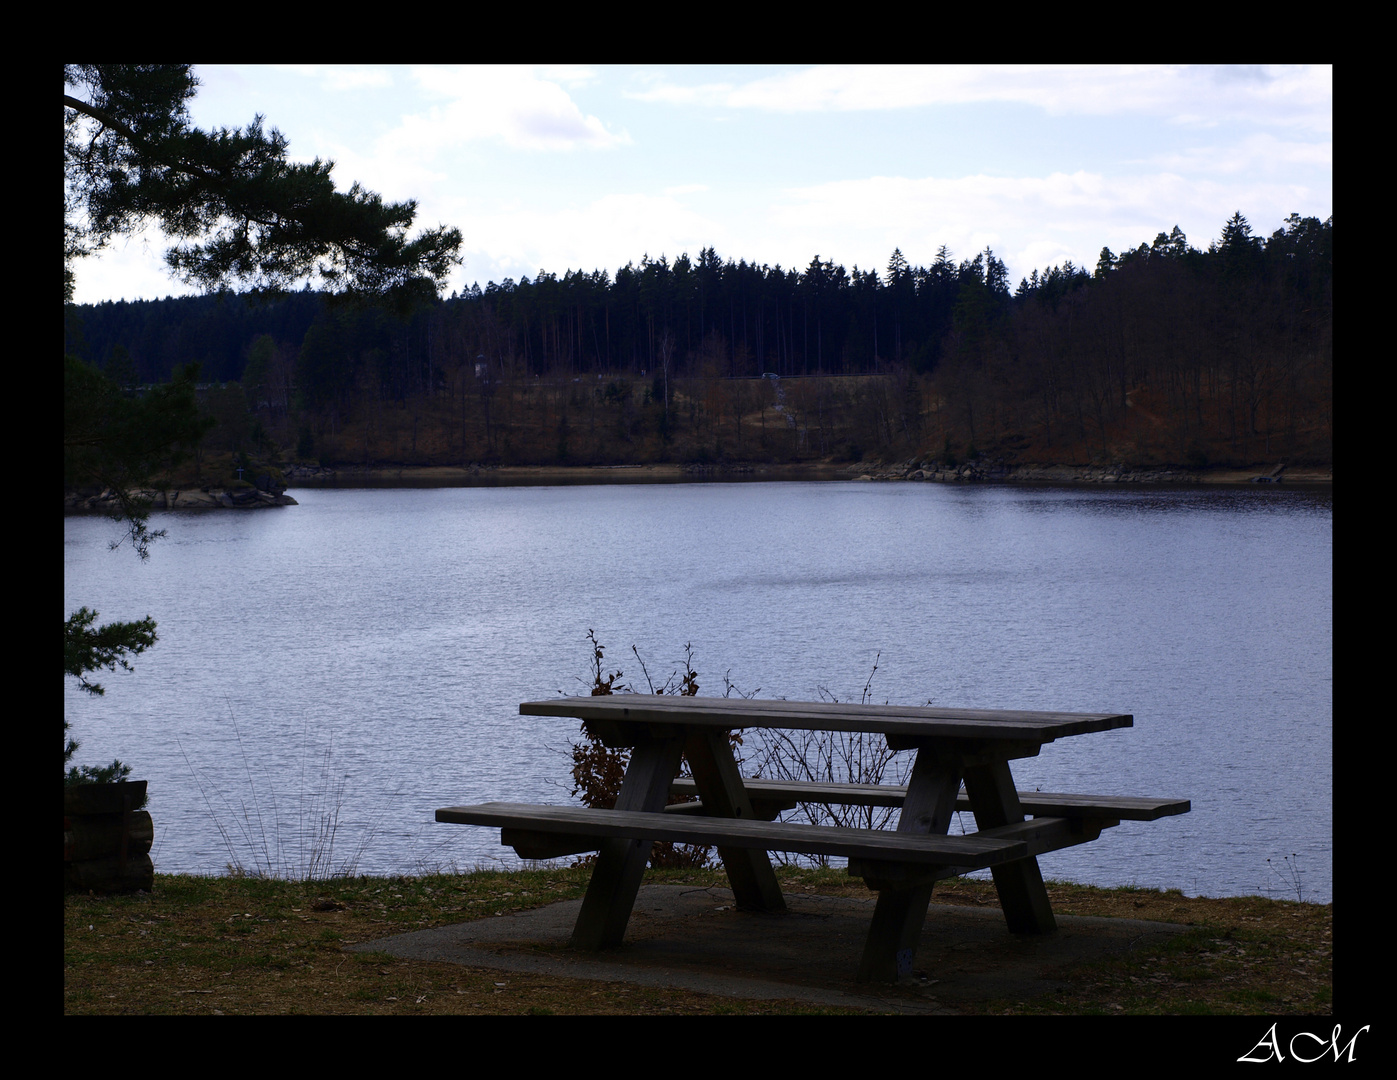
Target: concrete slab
[[694, 938]]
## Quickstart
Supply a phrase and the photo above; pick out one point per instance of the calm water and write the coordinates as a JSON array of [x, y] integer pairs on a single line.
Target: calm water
[[365, 652]]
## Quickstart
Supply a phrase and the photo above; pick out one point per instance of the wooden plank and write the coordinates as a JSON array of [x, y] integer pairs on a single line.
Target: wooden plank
[[917, 722], [768, 835], [1040, 835], [1054, 804], [1119, 807], [746, 707], [532, 844], [993, 723], [1043, 834]]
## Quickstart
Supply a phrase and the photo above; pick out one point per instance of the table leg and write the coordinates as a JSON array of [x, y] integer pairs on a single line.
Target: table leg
[[753, 881], [901, 910], [1022, 895], [620, 864]]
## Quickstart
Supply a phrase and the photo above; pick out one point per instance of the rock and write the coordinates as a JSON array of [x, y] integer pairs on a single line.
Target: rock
[[193, 500], [180, 499]]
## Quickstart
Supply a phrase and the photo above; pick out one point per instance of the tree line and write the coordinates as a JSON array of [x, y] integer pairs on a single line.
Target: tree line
[[1194, 354]]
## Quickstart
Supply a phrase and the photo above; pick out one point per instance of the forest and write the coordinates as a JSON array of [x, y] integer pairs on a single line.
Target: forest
[[1163, 354]]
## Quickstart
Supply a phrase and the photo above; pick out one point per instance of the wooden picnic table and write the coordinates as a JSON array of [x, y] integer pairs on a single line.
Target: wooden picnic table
[[954, 747]]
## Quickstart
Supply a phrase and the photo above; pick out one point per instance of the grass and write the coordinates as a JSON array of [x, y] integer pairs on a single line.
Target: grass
[[254, 946], [1242, 956]]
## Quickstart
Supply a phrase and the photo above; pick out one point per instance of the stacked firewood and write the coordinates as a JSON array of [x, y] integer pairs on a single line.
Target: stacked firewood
[[106, 841]]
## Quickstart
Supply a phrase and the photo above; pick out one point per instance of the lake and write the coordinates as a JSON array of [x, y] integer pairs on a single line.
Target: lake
[[346, 666]]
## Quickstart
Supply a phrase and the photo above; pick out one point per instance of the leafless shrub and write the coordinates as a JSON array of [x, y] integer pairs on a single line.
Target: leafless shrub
[[831, 757], [597, 769], [258, 846]]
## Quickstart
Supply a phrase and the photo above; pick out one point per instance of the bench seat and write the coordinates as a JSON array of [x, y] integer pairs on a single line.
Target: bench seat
[[770, 797], [540, 832]]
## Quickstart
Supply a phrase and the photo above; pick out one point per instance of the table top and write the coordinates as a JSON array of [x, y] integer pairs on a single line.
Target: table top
[[928, 721]]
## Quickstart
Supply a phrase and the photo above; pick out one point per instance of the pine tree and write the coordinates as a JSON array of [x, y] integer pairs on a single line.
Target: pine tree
[[240, 213], [897, 266]]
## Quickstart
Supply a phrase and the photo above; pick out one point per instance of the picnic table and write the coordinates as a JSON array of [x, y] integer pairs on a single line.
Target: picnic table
[[954, 747]]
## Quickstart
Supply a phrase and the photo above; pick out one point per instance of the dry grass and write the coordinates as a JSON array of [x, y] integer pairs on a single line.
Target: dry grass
[[198, 946], [1244, 955]]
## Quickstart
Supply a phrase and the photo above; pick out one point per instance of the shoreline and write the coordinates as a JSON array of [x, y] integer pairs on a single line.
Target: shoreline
[[208, 498], [912, 470]]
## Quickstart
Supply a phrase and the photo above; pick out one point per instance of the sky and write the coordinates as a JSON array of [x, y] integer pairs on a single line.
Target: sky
[[590, 167]]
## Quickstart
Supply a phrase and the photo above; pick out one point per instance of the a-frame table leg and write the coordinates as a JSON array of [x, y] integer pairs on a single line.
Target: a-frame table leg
[[620, 865], [719, 783], [901, 909], [1022, 895]]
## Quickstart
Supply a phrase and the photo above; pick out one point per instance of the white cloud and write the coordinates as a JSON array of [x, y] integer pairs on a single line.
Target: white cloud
[[1029, 221], [1261, 152], [573, 75], [1300, 96], [603, 234], [130, 268], [711, 94], [335, 77], [512, 104], [395, 177]]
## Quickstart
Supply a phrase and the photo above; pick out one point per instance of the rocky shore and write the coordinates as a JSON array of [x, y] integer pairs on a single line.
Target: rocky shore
[[985, 470], [982, 470], [209, 498], [513, 475]]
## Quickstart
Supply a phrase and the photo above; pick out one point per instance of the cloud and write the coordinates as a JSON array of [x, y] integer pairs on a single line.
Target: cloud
[[130, 268], [1030, 221], [606, 233], [397, 177], [1262, 153], [1301, 96], [335, 77], [512, 104], [573, 75]]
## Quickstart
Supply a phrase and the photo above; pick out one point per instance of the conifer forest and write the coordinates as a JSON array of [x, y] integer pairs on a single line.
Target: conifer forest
[[1168, 353]]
